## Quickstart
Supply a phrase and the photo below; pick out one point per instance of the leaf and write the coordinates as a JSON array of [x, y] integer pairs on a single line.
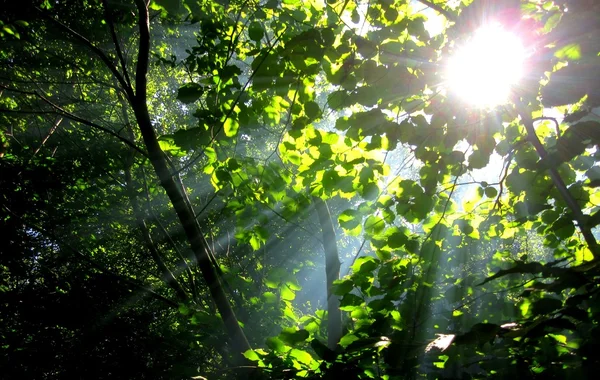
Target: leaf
[[370, 191], [301, 356], [521, 267], [397, 239], [350, 219], [569, 84], [189, 93], [480, 333], [203, 318], [365, 264], [349, 301], [348, 339], [365, 47], [442, 342], [256, 31], [374, 225], [188, 139], [478, 159], [546, 306], [269, 297], [570, 51], [491, 192], [275, 344], [312, 110], [330, 180], [251, 355], [336, 99], [231, 127], [342, 287], [287, 294], [291, 336], [173, 7], [322, 350]]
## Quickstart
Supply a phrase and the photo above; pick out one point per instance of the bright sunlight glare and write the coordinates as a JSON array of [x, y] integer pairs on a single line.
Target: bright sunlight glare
[[483, 71]]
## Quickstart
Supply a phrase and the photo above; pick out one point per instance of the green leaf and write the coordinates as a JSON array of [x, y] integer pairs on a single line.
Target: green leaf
[[342, 287], [189, 93], [374, 225], [322, 350], [188, 139], [350, 219], [365, 264], [330, 180], [275, 344], [251, 355], [231, 127], [571, 52], [312, 110], [370, 191], [397, 239], [348, 339], [569, 84], [350, 301], [301, 356], [480, 333], [491, 192], [291, 336], [546, 306], [336, 99], [256, 31], [287, 294], [269, 297], [203, 318], [412, 246]]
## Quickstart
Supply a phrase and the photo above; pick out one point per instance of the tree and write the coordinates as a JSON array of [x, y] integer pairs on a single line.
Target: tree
[[183, 165]]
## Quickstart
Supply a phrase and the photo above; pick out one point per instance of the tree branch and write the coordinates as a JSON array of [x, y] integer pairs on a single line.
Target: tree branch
[[127, 88], [168, 276], [60, 111], [113, 34], [191, 280], [559, 183], [438, 8], [143, 52]]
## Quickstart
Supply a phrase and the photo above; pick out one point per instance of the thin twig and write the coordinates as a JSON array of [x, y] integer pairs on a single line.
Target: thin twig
[[128, 90], [438, 8], [60, 111], [113, 34]]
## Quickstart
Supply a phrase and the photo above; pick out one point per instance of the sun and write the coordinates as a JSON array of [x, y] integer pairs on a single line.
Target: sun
[[484, 70]]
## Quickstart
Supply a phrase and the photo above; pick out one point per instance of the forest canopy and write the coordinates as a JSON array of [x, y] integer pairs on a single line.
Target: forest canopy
[[321, 189]]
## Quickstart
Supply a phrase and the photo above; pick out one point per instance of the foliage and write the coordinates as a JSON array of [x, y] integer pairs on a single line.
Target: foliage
[[255, 109]]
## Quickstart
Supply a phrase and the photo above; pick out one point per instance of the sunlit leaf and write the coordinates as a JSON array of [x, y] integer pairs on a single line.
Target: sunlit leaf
[[348, 339]]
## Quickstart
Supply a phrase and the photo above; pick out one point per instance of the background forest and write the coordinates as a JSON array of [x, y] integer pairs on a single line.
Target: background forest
[[298, 189]]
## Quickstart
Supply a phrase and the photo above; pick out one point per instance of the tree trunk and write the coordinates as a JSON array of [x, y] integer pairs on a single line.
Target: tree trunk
[[184, 211], [332, 268]]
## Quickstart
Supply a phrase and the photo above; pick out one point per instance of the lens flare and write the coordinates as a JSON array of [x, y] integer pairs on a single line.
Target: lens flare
[[484, 70]]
